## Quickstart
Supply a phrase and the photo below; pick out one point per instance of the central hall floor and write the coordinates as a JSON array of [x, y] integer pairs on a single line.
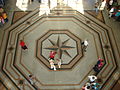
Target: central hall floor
[[63, 29]]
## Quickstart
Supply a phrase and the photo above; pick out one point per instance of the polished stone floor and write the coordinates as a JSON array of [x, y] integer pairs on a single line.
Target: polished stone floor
[[62, 28]]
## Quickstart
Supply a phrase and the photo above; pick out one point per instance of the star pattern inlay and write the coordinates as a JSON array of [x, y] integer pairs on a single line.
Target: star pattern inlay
[[60, 47]]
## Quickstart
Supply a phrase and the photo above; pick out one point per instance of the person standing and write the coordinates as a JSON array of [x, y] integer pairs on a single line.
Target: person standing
[[87, 86], [22, 44], [59, 62], [52, 55], [51, 59], [110, 4], [95, 86], [100, 62], [111, 12], [96, 69], [92, 78], [103, 4], [31, 79], [52, 64], [85, 45], [96, 7], [4, 15], [2, 20]]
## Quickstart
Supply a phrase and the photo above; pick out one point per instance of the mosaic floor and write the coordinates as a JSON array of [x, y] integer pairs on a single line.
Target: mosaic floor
[[62, 31]]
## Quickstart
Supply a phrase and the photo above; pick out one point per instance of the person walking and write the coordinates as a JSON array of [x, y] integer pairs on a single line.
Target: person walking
[[22, 44], [85, 45]]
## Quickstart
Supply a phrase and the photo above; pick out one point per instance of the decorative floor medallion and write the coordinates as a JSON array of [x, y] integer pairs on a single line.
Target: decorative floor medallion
[[60, 47], [66, 44]]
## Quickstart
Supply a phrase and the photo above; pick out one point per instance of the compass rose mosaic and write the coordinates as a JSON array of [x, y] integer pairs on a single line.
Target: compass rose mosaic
[[60, 47], [65, 43]]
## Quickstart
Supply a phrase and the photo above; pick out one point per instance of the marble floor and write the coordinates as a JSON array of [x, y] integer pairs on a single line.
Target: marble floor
[[61, 28]]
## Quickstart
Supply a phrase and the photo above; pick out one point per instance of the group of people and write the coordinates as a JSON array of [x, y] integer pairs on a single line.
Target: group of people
[[3, 17], [114, 10], [99, 5], [51, 56], [92, 84], [112, 6]]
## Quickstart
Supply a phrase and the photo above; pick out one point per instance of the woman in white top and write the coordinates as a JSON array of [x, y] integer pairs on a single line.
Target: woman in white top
[[92, 78]]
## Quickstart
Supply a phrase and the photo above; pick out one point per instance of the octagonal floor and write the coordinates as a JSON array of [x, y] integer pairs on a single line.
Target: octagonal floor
[[64, 33]]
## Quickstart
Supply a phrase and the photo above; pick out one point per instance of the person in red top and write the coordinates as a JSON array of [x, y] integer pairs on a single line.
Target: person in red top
[[100, 62], [52, 55], [22, 44]]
